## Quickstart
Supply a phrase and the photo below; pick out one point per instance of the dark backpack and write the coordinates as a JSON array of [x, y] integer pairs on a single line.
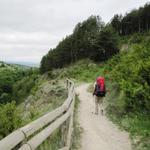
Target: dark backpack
[[99, 92]]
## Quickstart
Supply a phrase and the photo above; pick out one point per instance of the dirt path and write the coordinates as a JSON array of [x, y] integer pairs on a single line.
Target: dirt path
[[98, 132]]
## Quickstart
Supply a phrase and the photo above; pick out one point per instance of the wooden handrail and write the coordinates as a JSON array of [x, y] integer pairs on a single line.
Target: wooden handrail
[[48, 123]]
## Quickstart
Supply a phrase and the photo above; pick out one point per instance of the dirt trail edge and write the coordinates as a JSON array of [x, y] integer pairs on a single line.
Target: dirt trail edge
[[98, 132]]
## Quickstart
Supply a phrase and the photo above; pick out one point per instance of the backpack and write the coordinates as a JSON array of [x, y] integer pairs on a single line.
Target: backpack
[[100, 87]]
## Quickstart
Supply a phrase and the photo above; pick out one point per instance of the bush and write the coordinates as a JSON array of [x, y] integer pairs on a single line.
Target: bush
[[136, 38], [16, 83], [132, 75], [129, 101], [10, 119], [22, 88]]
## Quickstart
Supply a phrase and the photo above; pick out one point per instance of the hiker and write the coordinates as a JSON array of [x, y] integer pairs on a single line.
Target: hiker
[[99, 93]]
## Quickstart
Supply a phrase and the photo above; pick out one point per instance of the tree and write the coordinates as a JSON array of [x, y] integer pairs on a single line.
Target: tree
[[107, 44], [136, 20], [116, 23], [83, 43]]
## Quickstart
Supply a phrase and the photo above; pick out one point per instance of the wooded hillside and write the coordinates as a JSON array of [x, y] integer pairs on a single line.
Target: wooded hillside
[[96, 40], [90, 39], [138, 20]]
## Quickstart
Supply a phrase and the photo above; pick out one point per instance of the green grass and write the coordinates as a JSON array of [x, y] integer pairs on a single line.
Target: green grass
[[82, 71], [49, 95], [53, 142], [137, 124], [77, 129]]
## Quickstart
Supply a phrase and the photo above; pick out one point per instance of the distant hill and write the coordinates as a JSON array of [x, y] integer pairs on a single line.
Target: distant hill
[[28, 64], [15, 80], [5, 65], [18, 65]]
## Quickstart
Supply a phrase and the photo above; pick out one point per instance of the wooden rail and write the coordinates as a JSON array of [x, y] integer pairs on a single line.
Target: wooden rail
[[35, 133]]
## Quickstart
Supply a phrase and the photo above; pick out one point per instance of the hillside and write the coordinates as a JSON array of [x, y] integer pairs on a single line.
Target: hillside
[[119, 52], [12, 77], [90, 39], [26, 95], [95, 39], [129, 101], [16, 82], [127, 80], [10, 66], [46, 95]]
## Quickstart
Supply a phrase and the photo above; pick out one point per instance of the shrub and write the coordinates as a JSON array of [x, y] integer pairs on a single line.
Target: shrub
[[10, 119], [132, 75]]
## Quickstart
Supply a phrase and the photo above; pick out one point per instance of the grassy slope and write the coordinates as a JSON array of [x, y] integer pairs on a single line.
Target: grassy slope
[[9, 76], [86, 71], [131, 71], [36, 94], [45, 96]]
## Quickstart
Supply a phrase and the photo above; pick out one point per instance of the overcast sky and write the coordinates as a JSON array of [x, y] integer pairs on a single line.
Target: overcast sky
[[29, 28]]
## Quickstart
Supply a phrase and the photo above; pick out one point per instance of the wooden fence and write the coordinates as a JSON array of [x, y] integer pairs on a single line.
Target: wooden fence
[[35, 133]]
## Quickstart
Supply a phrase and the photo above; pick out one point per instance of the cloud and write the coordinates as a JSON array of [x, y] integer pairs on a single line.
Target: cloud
[[28, 29]]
